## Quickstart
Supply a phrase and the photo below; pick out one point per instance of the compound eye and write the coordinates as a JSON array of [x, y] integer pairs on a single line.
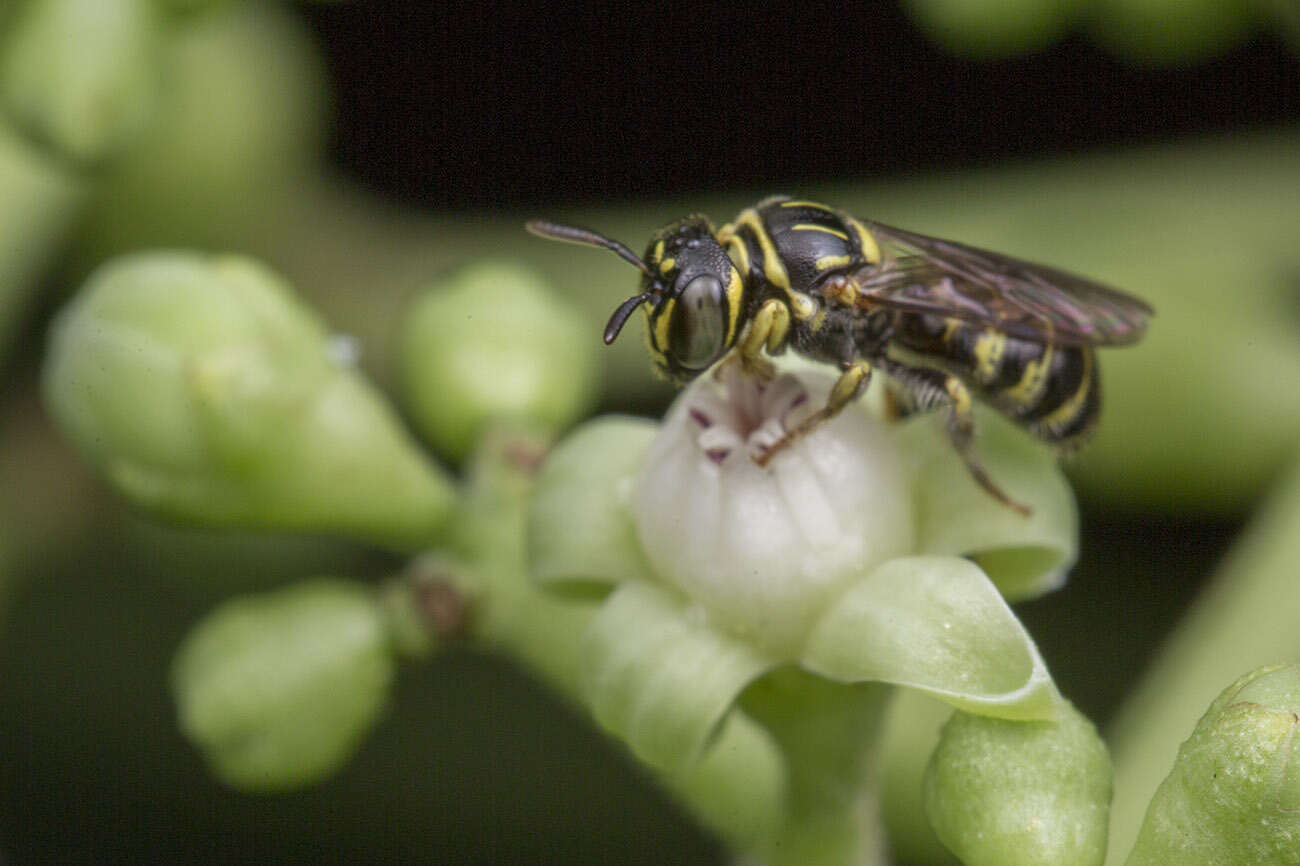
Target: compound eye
[[697, 327]]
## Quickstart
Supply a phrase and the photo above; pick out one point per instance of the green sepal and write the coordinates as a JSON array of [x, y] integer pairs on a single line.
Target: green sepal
[[1024, 556], [938, 624], [1008, 793], [659, 677], [581, 534], [277, 690], [1233, 795]]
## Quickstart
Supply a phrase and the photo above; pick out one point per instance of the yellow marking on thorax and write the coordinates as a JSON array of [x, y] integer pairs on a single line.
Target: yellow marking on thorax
[[737, 249], [803, 203], [659, 250], [1067, 411], [661, 325], [773, 268], [1033, 380], [825, 263], [988, 351], [666, 265], [810, 227], [802, 307], [870, 249]]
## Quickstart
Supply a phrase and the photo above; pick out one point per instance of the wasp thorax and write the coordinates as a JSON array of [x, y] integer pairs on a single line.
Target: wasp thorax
[[763, 549]]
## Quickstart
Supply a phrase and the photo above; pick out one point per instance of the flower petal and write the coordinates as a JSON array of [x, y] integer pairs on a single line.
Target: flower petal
[[580, 530], [659, 677], [1024, 556], [938, 624]]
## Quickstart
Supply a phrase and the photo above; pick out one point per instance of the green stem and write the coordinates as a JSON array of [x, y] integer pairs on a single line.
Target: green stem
[[735, 790], [828, 733]]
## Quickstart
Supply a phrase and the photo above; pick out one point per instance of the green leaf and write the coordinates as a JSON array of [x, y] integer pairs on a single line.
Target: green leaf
[[1023, 556], [938, 624], [659, 677], [581, 535], [1008, 793]]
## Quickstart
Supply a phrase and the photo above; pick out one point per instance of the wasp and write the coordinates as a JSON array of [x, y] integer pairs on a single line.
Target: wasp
[[946, 323]]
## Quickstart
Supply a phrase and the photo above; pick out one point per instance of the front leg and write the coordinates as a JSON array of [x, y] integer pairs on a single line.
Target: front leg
[[769, 330], [851, 383]]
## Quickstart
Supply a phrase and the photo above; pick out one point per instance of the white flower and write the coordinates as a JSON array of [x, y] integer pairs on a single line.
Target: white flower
[[863, 552], [762, 549]]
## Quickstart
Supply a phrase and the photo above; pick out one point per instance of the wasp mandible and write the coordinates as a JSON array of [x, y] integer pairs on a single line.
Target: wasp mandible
[[947, 323]]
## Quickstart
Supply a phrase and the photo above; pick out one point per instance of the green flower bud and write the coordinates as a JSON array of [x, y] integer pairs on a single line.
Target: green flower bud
[[82, 75], [204, 391], [239, 122], [1003, 793], [494, 343], [39, 199], [993, 28], [277, 690], [1234, 793], [1172, 31]]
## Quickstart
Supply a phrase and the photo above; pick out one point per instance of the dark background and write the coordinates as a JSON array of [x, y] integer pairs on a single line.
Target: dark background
[[502, 104], [475, 106]]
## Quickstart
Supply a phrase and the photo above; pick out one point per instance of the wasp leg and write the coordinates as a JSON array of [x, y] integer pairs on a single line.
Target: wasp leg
[[768, 329], [929, 388], [851, 383], [961, 430]]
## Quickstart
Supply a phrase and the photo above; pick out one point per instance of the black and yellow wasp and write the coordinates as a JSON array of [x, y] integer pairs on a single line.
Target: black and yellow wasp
[[944, 321]]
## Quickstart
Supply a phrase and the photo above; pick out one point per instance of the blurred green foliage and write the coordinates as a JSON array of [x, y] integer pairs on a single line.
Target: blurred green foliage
[[203, 126]]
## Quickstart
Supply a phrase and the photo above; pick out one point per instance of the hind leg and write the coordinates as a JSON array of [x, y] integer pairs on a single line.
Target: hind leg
[[928, 388]]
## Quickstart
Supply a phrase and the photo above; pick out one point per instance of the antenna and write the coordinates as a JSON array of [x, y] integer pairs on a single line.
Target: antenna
[[577, 235], [620, 315]]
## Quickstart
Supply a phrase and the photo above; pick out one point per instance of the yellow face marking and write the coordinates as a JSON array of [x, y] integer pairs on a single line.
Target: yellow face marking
[[1032, 381], [735, 296], [661, 325], [825, 263], [870, 249], [817, 321], [1067, 411], [809, 227], [988, 354], [772, 266], [666, 265]]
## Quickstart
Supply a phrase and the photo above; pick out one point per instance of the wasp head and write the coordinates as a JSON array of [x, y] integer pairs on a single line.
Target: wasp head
[[690, 291]]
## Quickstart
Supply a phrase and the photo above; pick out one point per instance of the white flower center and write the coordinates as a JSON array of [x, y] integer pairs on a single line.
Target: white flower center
[[762, 550]]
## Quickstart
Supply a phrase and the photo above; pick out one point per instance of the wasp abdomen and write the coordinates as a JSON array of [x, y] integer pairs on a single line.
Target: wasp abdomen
[[1051, 390]]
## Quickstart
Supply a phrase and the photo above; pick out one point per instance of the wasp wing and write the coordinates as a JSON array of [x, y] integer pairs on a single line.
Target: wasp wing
[[929, 275]]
